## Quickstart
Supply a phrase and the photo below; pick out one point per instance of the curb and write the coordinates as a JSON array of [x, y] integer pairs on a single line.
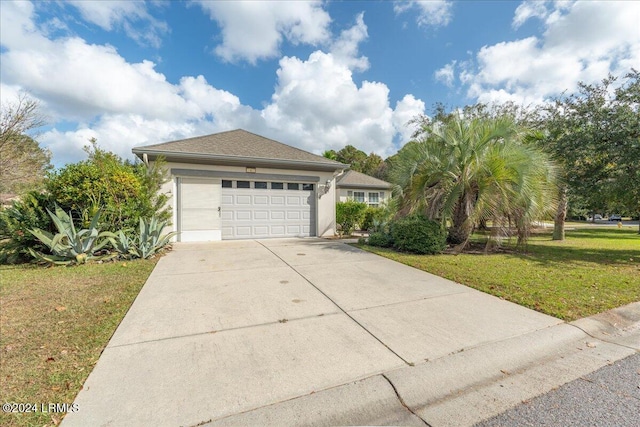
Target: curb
[[467, 387]]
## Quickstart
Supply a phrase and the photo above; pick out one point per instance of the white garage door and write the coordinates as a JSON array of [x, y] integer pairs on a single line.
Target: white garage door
[[257, 209]]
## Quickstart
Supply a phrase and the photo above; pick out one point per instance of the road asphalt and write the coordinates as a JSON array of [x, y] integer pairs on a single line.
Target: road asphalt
[[316, 332], [608, 397]]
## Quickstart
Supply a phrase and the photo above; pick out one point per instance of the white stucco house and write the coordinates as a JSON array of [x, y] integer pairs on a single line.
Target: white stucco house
[[352, 185], [239, 185]]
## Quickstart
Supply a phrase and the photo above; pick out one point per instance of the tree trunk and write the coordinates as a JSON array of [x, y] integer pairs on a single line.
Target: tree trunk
[[460, 229], [561, 215]]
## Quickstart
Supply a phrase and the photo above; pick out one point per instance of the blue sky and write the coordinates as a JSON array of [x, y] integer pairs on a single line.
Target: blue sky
[[316, 75]]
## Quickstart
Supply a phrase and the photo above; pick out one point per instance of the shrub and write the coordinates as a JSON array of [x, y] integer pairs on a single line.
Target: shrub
[[370, 215], [348, 214], [418, 234], [15, 222], [380, 239], [125, 192]]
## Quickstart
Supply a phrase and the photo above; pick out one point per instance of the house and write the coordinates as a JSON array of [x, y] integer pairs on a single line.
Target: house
[[357, 186], [239, 185]]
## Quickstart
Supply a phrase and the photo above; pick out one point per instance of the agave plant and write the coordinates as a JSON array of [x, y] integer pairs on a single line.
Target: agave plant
[[150, 240], [68, 245], [124, 245]]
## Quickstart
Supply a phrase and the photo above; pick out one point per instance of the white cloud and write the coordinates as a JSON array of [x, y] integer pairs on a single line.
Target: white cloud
[[582, 41], [253, 31], [406, 109], [131, 16], [433, 13], [530, 9], [345, 47], [446, 74], [316, 104]]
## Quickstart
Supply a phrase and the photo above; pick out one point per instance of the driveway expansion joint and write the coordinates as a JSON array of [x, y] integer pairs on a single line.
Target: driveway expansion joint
[[391, 304], [219, 331]]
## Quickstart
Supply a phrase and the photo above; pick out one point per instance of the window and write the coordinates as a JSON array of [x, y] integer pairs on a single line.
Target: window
[[277, 185], [308, 187], [260, 185], [382, 195], [227, 183], [293, 186], [349, 193], [374, 199], [358, 196], [243, 184]]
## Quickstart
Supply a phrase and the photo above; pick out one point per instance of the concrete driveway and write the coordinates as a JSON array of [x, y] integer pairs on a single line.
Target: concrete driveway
[[315, 332]]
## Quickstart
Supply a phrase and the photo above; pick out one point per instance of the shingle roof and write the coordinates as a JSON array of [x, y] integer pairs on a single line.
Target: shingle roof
[[353, 179], [236, 144]]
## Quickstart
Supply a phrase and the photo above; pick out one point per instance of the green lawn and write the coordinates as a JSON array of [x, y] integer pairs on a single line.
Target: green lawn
[[592, 271], [54, 324]]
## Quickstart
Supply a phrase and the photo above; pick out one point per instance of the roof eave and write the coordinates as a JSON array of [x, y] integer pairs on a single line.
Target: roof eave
[[238, 160], [369, 186]]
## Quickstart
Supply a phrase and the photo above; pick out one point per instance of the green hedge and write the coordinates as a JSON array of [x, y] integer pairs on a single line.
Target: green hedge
[[380, 239], [417, 234]]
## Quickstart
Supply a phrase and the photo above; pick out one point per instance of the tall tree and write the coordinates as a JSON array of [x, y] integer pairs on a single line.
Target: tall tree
[[595, 134], [463, 171], [352, 156], [371, 164], [23, 163]]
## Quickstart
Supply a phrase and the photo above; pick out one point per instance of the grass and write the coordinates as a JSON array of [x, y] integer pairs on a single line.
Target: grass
[[593, 270], [54, 323]]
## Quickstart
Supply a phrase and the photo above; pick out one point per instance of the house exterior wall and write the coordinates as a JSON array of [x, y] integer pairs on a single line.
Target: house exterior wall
[[342, 195], [325, 217]]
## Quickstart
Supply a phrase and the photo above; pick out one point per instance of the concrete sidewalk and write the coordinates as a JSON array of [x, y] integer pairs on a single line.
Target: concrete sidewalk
[[314, 332]]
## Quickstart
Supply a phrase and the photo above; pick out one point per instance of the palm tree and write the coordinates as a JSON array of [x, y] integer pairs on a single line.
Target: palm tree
[[464, 171]]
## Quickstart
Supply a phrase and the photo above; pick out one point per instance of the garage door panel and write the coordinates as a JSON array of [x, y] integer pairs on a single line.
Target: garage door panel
[[278, 230], [294, 229], [257, 213], [243, 199], [243, 231], [261, 230], [260, 215], [243, 216]]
